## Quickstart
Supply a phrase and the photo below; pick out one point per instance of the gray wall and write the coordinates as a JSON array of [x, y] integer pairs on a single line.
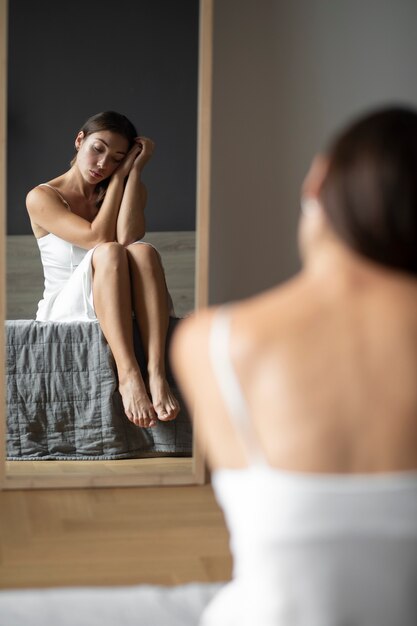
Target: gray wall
[[70, 60], [287, 73]]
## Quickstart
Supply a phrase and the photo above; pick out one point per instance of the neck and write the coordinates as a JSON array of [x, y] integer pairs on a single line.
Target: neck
[[335, 264], [77, 183]]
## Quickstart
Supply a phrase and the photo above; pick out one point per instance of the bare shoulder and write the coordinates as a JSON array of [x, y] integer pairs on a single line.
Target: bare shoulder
[[43, 205], [37, 197], [189, 356], [47, 195], [194, 371], [45, 191], [253, 324], [254, 320], [271, 316], [34, 196], [189, 343]]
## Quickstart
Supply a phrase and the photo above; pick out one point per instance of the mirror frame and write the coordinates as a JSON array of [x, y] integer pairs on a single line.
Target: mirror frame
[[87, 476]]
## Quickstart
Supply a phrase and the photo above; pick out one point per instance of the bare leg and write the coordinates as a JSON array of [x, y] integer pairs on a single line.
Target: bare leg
[[150, 303], [112, 303]]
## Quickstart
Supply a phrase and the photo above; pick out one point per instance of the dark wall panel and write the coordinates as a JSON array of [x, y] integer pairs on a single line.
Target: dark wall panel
[[70, 60]]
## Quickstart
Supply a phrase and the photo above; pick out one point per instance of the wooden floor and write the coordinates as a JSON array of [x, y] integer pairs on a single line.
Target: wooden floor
[[102, 468], [110, 536], [155, 535]]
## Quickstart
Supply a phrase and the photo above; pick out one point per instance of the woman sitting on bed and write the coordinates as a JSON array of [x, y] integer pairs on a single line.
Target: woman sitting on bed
[[306, 401], [88, 222]]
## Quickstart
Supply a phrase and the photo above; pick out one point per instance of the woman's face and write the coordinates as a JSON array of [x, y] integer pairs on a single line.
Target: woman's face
[[99, 154]]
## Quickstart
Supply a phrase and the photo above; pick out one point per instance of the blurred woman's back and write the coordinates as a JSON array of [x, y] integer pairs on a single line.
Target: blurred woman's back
[[329, 370], [306, 401]]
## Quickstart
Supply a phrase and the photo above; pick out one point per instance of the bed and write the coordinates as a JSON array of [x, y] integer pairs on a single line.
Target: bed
[[62, 398]]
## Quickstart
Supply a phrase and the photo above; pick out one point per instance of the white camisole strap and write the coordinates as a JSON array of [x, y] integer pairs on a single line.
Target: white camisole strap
[[69, 208], [229, 385], [57, 192]]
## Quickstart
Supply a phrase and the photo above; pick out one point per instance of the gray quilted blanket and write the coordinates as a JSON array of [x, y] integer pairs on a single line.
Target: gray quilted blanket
[[62, 398]]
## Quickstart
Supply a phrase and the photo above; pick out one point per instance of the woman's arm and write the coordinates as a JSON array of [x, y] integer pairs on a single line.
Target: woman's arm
[[47, 211], [131, 219]]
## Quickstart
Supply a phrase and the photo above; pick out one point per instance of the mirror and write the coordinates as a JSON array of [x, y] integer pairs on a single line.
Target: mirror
[[148, 471]]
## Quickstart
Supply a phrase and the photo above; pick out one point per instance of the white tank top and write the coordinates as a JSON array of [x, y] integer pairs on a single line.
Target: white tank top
[[67, 294], [310, 549], [68, 276], [59, 257]]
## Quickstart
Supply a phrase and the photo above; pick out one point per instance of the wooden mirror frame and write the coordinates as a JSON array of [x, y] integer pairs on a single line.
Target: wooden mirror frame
[[86, 473]]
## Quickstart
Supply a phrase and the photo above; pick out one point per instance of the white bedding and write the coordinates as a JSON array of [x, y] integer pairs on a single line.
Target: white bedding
[[142, 605]]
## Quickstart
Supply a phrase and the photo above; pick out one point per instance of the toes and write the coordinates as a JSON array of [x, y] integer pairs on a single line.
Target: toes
[[163, 415], [148, 418], [130, 416], [161, 412], [167, 414], [145, 419]]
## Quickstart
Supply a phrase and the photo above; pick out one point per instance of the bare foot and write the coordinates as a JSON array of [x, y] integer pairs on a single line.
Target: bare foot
[[164, 402], [136, 402]]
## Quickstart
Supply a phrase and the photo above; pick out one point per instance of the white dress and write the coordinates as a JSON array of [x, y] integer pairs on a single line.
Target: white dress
[[68, 279], [311, 549], [68, 275]]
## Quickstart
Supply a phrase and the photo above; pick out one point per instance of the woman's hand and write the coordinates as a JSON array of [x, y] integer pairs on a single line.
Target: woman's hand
[[147, 147], [136, 158]]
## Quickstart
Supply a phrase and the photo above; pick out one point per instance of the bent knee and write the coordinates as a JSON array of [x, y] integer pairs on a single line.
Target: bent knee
[[109, 253], [144, 253]]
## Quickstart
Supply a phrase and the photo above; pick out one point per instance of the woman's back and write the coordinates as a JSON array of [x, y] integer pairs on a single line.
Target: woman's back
[[322, 533], [306, 402], [328, 373]]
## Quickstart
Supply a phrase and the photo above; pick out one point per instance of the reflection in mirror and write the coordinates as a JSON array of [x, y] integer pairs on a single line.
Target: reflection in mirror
[[62, 377]]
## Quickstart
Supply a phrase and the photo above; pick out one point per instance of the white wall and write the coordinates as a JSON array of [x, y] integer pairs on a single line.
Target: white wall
[[286, 73]]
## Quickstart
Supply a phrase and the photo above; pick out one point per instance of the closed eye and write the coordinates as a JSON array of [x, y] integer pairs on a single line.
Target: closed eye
[[99, 150]]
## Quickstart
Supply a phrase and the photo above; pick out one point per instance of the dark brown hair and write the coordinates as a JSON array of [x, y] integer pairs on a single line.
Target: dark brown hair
[[114, 122], [370, 189]]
